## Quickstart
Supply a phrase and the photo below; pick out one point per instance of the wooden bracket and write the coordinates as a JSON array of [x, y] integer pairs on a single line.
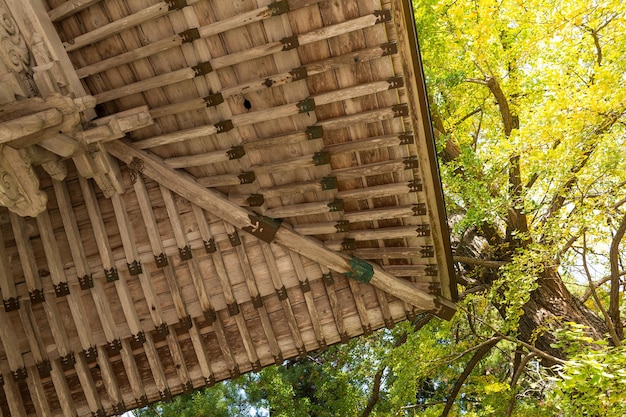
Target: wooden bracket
[[415, 185], [423, 230], [236, 152], [411, 162], [290, 42], [427, 251], [419, 209], [395, 82], [202, 68], [307, 105], [389, 48], [185, 253], [321, 158], [134, 268], [406, 138], [360, 270]]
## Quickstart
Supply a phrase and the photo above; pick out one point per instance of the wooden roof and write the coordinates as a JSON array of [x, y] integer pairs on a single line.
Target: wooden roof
[[193, 189]]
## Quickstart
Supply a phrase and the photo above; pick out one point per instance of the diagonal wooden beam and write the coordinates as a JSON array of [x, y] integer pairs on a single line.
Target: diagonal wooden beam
[[212, 201]]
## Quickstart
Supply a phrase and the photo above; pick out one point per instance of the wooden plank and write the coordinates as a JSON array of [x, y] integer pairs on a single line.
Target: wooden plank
[[7, 283], [308, 298], [57, 274], [10, 344], [69, 8], [201, 354], [360, 306], [132, 256], [13, 396], [117, 26], [157, 368], [27, 257], [62, 389], [283, 296], [295, 210], [29, 125], [132, 372], [108, 378], [300, 187], [206, 158], [179, 360], [367, 170], [392, 212], [174, 137], [89, 387], [211, 201], [37, 393], [329, 285], [145, 85]]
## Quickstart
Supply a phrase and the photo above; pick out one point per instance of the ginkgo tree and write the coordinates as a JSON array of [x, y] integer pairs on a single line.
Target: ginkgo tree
[[528, 105]]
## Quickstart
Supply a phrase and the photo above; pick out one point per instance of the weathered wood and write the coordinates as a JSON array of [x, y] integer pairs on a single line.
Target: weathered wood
[[10, 344], [392, 212], [27, 257], [300, 209], [151, 12], [188, 134], [19, 189], [199, 159], [369, 170], [69, 8], [308, 298], [29, 125], [14, 399], [7, 284], [63, 392], [219, 206]]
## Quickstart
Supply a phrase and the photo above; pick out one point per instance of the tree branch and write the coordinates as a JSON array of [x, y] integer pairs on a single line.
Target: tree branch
[[375, 396], [518, 373], [614, 260], [596, 284], [478, 355], [478, 262]]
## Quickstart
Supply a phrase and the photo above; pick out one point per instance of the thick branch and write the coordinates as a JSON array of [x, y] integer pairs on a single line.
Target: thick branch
[[375, 396], [614, 260], [518, 372], [607, 318], [478, 355], [478, 262]]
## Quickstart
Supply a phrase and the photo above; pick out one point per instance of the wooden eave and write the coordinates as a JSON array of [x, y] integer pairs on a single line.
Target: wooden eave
[[194, 189]]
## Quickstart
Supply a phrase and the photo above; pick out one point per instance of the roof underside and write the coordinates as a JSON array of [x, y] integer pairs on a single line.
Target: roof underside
[[154, 146]]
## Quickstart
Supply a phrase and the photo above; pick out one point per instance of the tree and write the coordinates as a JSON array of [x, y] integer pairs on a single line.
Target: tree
[[528, 106]]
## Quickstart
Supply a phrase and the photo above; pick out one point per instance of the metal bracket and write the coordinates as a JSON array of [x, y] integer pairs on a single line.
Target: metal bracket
[[185, 253], [186, 322], [321, 158], [139, 338], [213, 99], [86, 282], [176, 4], [431, 270], [382, 15], [400, 110], [262, 227], [234, 373], [290, 42], [210, 381], [314, 132], [36, 296], [415, 185], [210, 246], [278, 359], [329, 183], [307, 105], [224, 126], [419, 209], [255, 200], [163, 329], [328, 279], [423, 230], [282, 293], [187, 387], [236, 152], [389, 323], [233, 309], [234, 238], [134, 268], [257, 301], [278, 7], [91, 353], [247, 177], [389, 48], [20, 375], [111, 275], [360, 270], [61, 289], [99, 413], [119, 408], [165, 395], [298, 74], [342, 226], [395, 82], [141, 401], [210, 316], [301, 351], [344, 337], [114, 346], [190, 35], [161, 260], [256, 366], [348, 244], [406, 138], [68, 361], [411, 162], [202, 68], [427, 251], [367, 329], [44, 367], [335, 205], [11, 304], [305, 286]]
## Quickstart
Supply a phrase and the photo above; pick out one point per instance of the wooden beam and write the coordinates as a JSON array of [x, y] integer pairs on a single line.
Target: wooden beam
[[69, 8], [29, 125], [217, 204], [178, 136]]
